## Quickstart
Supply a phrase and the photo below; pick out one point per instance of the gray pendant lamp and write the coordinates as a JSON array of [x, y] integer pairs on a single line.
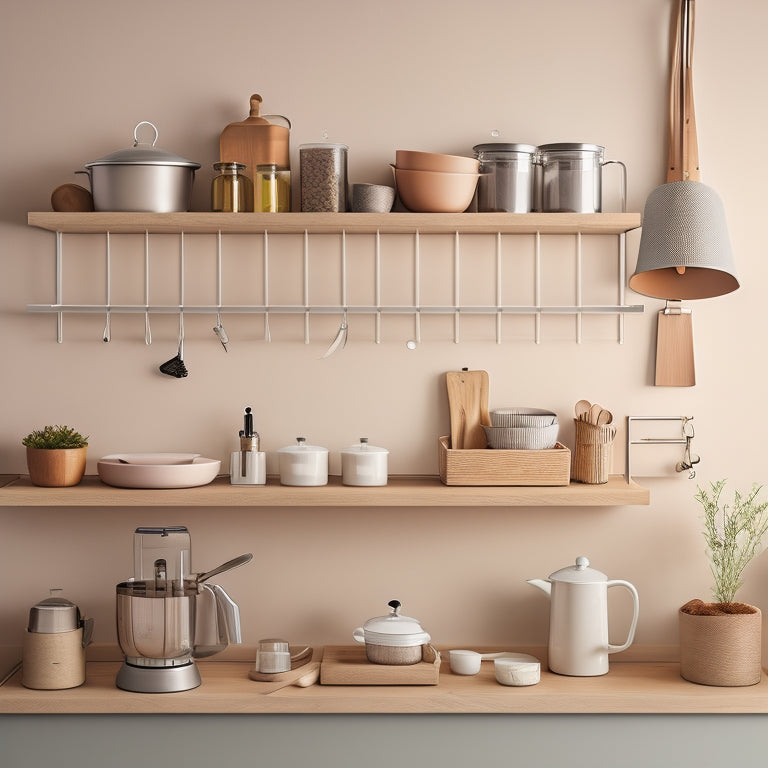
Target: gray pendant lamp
[[685, 251]]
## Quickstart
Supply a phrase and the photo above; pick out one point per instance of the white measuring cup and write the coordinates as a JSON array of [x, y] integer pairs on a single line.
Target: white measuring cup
[[464, 662]]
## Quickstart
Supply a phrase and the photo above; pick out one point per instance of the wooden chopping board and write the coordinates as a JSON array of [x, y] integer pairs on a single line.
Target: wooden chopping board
[[348, 665], [254, 141], [675, 365], [468, 406]]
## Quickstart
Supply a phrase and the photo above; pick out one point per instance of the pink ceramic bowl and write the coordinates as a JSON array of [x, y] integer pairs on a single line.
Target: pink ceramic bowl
[[434, 191], [431, 161]]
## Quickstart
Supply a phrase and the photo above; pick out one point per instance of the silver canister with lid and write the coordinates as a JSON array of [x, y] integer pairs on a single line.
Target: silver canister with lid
[[569, 178], [54, 645], [506, 180]]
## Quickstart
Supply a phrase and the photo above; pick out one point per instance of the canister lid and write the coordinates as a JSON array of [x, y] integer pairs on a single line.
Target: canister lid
[[568, 147], [302, 447], [363, 447], [54, 614], [504, 147]]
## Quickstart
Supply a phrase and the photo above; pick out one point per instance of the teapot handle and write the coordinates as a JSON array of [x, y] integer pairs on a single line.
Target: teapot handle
[[636, 601]]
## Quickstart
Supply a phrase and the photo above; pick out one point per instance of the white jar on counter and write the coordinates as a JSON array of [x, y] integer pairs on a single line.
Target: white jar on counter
[[303, 464], [364, 464]]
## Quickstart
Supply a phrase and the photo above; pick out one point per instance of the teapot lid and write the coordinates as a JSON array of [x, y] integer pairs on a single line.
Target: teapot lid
[[580, 573]]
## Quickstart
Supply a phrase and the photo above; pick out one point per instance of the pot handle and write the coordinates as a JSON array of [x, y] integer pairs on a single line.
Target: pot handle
[[136, 141], [623, 181], [635, 614], [90, 180], [358, 635]]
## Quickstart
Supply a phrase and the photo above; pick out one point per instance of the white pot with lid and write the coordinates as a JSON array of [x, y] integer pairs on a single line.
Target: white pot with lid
[[364, 464], [392, 639], [303, 464]]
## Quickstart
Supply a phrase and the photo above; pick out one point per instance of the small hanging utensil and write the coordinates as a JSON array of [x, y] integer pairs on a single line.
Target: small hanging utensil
[[107, 336], [218, 329], [175, 366], [341, 337]]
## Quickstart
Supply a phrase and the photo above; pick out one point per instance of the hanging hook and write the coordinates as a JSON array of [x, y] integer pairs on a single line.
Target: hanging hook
[[688, 459]]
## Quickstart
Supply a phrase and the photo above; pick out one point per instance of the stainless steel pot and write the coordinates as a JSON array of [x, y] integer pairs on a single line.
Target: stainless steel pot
[[141, 178]]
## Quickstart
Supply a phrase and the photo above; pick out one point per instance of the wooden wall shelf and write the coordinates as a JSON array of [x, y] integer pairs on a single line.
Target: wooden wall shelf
[[401, 491], [335, 223]]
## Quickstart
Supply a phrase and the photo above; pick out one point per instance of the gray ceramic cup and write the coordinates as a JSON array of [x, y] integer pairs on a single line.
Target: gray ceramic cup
[[372, 198]]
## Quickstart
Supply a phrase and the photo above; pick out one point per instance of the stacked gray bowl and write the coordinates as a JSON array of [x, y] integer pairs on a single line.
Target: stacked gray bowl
[[522, 429]]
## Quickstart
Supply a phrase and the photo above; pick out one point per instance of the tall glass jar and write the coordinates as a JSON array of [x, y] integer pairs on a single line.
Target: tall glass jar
[[231, 189], [273, 189]]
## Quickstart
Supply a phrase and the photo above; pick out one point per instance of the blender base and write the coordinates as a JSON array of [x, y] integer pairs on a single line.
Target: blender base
[[158, 679]]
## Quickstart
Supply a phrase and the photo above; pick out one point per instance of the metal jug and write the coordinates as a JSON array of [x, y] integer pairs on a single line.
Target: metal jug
[[578, 623]]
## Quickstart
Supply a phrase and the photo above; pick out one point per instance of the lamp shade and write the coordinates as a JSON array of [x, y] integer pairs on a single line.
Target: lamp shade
[[685, 251]]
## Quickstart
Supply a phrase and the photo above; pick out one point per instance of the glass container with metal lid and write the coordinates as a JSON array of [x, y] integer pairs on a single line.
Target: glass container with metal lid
[[570, 177], [506, 177]]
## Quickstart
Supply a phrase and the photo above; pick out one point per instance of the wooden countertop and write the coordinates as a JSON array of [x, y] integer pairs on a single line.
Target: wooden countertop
[[629, 687]]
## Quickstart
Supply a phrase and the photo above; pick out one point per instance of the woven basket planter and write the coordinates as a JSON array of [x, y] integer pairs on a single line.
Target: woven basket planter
[[721, 650]]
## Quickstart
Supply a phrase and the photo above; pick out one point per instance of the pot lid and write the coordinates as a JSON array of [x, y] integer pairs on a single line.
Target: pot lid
[[363, 447], [143, 154], [54, 614], [580, 573], [504, 147], [302, 447], [394, 629]]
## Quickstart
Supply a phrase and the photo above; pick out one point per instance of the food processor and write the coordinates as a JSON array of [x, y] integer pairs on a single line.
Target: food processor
[[167, 617]]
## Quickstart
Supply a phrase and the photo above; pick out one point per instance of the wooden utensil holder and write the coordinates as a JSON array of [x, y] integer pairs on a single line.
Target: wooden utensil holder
[[591, 458]]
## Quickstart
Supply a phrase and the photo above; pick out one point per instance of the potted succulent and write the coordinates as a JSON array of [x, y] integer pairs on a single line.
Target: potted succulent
[[56, 456], [720, 641]]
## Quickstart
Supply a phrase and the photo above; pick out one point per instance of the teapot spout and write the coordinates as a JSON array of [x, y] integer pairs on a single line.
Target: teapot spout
[[543, 584]]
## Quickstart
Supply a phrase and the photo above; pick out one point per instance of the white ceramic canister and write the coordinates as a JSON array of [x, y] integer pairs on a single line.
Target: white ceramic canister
[[303, 464], [364, 464]]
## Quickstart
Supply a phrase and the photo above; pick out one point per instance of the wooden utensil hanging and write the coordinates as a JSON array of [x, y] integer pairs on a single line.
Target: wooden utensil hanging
[[674, 335]]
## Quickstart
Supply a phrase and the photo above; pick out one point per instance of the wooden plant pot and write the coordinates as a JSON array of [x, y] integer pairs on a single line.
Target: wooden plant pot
[[56, 467], [721, 650]]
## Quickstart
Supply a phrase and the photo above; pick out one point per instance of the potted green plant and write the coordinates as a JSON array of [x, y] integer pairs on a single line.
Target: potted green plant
[[720, 641], [56, 456]]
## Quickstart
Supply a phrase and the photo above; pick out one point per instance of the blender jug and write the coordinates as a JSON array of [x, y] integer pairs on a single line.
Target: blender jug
[[165, 609]]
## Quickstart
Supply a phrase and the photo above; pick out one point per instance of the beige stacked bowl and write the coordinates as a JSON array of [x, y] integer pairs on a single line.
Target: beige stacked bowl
[[522, 429], [428, 182]]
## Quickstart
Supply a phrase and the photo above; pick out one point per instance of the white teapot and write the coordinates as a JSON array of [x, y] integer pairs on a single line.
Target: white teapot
[[578, 623]]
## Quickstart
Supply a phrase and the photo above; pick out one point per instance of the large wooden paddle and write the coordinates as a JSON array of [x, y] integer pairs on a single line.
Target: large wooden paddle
[[468, 405], [674, 335]]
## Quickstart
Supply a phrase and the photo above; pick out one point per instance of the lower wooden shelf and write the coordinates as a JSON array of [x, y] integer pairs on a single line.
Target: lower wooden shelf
[[400, 491], [629, 687]]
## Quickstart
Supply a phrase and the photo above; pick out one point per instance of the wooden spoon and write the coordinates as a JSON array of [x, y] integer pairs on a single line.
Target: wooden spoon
[[594, 414], [582, 409], [604, 417]]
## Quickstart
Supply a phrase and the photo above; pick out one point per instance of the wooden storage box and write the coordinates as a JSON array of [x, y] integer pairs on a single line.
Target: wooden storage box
[[551, 466]]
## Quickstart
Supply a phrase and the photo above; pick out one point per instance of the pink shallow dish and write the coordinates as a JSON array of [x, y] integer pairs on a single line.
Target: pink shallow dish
[[431, 161], [200, 471]]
